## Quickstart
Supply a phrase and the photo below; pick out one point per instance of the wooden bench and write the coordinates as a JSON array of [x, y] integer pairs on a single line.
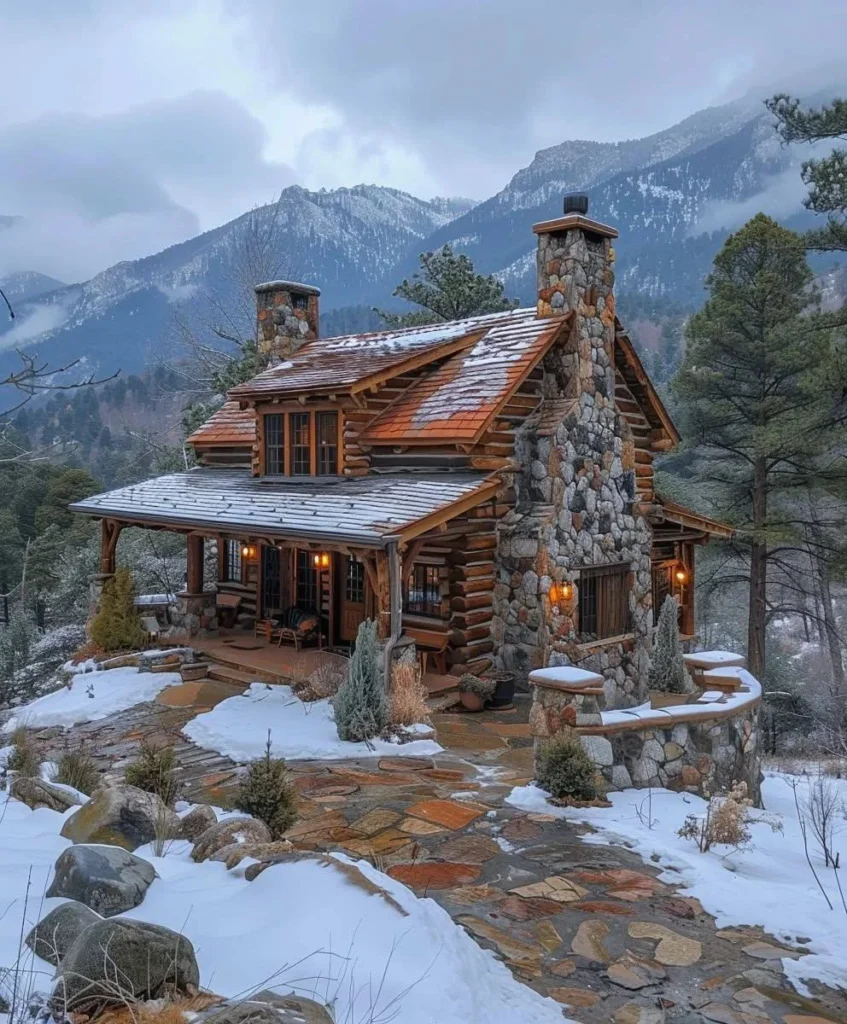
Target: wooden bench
[[431, 643], [227, 606]]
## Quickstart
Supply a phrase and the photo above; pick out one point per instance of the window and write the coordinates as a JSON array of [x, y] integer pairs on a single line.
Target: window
[[298, 430], [354, 586], [300, 302], [271, 581], [232, 561], [423, 595], [274, 444], [603, 601], [326, 425], [307, 581]]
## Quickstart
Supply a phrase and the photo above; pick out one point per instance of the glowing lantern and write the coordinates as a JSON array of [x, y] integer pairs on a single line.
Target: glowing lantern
[[321, 560]]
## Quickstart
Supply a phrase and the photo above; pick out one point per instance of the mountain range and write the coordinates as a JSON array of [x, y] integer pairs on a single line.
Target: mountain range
[[673, 196]]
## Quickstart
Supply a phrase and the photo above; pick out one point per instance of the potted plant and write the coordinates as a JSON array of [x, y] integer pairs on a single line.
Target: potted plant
[[474, 692], [504, 688]]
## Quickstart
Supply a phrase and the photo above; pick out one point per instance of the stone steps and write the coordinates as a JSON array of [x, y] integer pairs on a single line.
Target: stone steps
[[227, 674]]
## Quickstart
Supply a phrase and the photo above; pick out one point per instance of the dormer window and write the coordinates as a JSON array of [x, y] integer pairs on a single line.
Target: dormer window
[[302, 443]]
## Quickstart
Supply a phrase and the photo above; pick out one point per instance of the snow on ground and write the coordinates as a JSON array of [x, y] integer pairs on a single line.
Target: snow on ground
[[301, 926], [90, 696], [768, 883], [238, 728]]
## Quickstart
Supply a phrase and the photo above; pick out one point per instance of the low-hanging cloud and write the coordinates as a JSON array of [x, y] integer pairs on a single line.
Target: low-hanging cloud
[[92, 191], [35, 321]]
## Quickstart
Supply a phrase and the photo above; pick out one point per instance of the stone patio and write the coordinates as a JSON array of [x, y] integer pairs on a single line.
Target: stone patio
[[590, 926]]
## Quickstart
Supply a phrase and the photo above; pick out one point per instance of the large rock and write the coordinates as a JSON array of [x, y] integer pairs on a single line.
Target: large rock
[[226, 833], [269, 1008], [120, 961], [38, 793], [107, 879], [195, 823], [121, 815], [235, 853], [52, 937]]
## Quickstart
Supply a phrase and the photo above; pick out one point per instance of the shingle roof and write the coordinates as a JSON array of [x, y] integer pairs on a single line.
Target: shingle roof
[[230, 425], [364, 510], [455, 401], [343, 363]]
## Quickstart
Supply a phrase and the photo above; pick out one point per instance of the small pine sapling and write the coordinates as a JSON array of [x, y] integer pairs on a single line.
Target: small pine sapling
[[565, 770], [667, 668], [267, 793], [116, 626], [361, 705], [154, 771]]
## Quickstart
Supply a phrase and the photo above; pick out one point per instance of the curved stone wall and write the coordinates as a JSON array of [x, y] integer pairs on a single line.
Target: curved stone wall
[[700, 747]]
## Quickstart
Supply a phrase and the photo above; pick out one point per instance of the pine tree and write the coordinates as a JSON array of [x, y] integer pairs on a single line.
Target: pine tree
[[116, 626], [826, 178], [361, 706], [448, 288], [756, 388], [667, 669]]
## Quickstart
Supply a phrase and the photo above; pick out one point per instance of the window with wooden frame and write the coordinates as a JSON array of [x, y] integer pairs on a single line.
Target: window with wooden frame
[[603, 606], [354, 584], [307, 581], [275, 443], [232, 561], [326, 430], [423, 591], [302, 443]]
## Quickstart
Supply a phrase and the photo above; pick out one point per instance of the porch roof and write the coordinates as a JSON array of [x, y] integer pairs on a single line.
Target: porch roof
[[369, 510], [672, 512]]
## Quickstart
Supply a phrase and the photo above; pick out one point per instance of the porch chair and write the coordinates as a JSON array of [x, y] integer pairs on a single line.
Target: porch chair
[[431, 645], [297, 626]]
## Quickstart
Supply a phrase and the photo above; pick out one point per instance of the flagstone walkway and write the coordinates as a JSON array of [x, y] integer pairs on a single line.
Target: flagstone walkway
[[590, 926]]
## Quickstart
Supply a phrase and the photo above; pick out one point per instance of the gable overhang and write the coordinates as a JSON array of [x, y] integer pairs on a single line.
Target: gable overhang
[[653, 406], [666, 511]]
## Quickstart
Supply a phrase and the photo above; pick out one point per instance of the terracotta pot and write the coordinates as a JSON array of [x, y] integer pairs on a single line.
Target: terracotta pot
[[471, 701]]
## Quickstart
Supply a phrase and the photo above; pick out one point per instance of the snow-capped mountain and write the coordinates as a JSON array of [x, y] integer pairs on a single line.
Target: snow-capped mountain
[[673, 196]]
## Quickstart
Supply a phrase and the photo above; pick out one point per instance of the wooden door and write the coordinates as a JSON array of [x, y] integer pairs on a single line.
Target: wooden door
[[352, 599]]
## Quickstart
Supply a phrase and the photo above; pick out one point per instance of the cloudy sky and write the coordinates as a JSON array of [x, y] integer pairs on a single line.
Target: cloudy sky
[[126, 126]]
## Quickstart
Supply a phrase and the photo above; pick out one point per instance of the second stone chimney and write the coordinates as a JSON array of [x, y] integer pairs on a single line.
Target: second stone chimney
[[575, 264], [287, 317]]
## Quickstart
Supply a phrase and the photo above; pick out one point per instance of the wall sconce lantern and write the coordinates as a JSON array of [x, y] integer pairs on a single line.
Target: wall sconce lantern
[[681, 575], [248, 552], [561, 593], [321, 560]]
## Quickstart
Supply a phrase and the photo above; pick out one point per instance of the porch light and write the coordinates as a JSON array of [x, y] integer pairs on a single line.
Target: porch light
[[248, 551], [321, 560], [561, 593], [681, 575]]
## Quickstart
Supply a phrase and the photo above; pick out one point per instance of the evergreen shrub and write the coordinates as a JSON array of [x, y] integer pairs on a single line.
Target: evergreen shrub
[[667, 668], [361, 706], [116, 626], [564, 769], [267, 793], [154, 772]]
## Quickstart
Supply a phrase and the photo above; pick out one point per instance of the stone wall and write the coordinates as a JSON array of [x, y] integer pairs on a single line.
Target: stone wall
[[192, 615], [575, 494], [287, 317], [686, 747]]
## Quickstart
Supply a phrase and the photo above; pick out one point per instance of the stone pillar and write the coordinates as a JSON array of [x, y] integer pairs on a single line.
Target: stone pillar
[[287, 317]]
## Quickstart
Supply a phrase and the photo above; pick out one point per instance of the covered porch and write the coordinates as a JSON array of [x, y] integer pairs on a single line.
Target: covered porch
[[415, 554]]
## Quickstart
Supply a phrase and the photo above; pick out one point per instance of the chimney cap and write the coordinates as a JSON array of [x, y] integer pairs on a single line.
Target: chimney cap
[[576, 202], [287, 286]]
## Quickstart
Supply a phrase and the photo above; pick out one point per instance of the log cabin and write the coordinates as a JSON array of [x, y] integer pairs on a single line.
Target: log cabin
[[483, 488]]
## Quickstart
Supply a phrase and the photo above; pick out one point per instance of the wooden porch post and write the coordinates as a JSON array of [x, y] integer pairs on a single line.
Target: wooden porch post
[[195, 564], [110, 531], [688, 623], [383, 596]]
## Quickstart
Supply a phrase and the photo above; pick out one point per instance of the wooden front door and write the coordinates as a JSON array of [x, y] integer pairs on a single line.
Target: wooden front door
[[271, 581], [352, 598]]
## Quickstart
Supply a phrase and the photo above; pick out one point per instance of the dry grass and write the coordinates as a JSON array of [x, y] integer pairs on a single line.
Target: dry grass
[[323, 683], [77, 768], [24, 759], [176, 1011], [408, 696]]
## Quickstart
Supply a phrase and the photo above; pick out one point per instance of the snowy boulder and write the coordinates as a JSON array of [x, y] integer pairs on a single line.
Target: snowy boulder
[[269, 1008], [53, 937], [118, 962], [107, 879], [121, 815], [227, 833], [195, 823], [38, 793], [235, 853]]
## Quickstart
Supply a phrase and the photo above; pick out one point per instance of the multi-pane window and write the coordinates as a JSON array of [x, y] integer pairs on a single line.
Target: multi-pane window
[[354, 587], [300, 455], [423, 594], [271, 581], [274, 444], [326, 427], [603, 601], [232, 561], [307, 581]]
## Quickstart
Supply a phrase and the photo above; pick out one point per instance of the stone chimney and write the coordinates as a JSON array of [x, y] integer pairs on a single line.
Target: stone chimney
[[287, 317], [575, 273]]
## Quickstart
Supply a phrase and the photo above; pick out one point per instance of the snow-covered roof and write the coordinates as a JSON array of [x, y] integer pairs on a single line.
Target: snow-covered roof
[[365, 510], [344, 362]]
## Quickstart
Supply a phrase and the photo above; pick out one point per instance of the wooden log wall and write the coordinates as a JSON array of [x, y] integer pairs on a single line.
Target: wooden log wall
[[642, 435], [224, 456]]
